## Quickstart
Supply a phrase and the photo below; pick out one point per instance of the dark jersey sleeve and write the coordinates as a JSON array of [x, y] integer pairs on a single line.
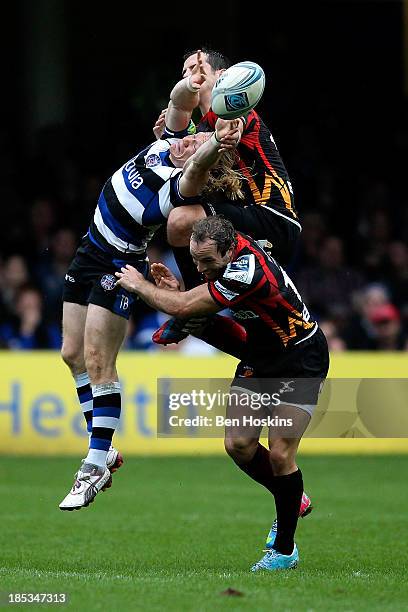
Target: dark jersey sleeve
[[190, 129], [176, 198], [242, 278]]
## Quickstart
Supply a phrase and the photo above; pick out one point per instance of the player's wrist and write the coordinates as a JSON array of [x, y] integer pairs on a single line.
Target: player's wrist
[[215, 139]]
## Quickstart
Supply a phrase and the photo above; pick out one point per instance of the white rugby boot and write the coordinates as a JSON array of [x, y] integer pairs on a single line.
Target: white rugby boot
[[89, 480]]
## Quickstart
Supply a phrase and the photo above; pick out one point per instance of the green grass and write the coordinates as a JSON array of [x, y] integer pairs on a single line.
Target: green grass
[[172, 533]]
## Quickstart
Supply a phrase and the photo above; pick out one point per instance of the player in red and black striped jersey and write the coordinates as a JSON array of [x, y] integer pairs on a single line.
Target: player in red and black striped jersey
[[267, 211], [283, 346], [265, 302]]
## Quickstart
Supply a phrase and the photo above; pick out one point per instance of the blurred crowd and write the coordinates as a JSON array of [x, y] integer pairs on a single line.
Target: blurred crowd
[[351, 266]]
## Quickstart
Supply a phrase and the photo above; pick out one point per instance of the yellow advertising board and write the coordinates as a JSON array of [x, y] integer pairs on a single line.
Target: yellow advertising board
[[40, 414]]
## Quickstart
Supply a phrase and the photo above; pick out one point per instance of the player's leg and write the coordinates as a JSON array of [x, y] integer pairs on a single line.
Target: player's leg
[[75, 303], [281, 550], [242, 441], [72, 352], [104, 334], [106, 321]]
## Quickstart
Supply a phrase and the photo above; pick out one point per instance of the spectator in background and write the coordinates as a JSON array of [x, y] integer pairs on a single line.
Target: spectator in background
[[14, 276], [27, 329], [327, 286], [373, 309], [388, 334], [397, 275]]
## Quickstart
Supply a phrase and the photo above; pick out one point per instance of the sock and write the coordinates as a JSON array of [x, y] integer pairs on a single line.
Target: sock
[[260, 469], [84, 392], [288, 492], [106, 414], [224, 334], [191, 276]]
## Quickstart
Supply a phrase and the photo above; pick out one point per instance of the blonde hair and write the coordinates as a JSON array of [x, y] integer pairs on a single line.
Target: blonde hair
[[224, 178]]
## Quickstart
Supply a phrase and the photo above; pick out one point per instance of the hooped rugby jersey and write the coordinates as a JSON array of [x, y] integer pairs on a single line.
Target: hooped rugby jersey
[[267, 181], [137, 199], [263, 299]]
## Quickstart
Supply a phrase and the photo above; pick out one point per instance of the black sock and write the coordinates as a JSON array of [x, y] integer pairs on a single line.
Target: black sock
[[259, 468], [191, 276], [288, 492]]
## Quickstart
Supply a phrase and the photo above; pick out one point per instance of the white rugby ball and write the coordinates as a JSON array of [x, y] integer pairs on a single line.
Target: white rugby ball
[[238, 90]]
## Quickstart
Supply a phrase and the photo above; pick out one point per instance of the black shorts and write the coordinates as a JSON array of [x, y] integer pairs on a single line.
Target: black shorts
[[261, 224], [296, 375], [91, 279]]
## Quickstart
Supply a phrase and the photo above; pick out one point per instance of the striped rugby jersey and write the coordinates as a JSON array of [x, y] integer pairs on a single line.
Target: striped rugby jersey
[[137, 199]]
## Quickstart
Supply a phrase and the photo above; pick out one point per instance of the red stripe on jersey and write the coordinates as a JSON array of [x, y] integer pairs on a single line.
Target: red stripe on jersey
[[252, 140], [244, 242]]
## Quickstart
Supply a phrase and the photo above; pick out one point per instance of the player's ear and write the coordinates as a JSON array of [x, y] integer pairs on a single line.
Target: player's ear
[[230, 253]]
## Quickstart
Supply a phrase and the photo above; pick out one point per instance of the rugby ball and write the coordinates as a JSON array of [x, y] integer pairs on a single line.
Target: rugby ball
[[238, 90]]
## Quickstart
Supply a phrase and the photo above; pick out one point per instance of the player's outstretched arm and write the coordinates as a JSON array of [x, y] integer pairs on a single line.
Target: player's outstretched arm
[[184, 97], [180, 304]]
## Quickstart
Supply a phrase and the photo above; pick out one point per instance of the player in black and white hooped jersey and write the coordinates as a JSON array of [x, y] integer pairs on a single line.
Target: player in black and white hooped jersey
[[134, 202], [139, 197]]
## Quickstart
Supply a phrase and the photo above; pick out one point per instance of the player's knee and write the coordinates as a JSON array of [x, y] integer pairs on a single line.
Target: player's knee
[[180, 223], [73, 356], [280, 456], [179, 226], [239, 447], [100, 369]]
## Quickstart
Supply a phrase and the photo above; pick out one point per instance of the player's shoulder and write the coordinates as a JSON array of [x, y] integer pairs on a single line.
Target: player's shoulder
[[156, 157]]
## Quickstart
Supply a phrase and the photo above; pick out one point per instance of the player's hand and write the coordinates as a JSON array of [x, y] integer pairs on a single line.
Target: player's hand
[[164, 278], [228, 132], [198, 74], [160, 124], [129, 278]]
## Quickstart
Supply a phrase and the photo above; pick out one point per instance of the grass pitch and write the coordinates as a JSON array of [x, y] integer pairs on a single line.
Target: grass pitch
[[173, 533]]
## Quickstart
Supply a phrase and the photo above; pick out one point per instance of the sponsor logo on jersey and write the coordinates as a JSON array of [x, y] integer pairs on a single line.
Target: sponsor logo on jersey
[[69, 278], [153, 160], [227, 293], [241, 270], [133, 175], [108, 282]]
